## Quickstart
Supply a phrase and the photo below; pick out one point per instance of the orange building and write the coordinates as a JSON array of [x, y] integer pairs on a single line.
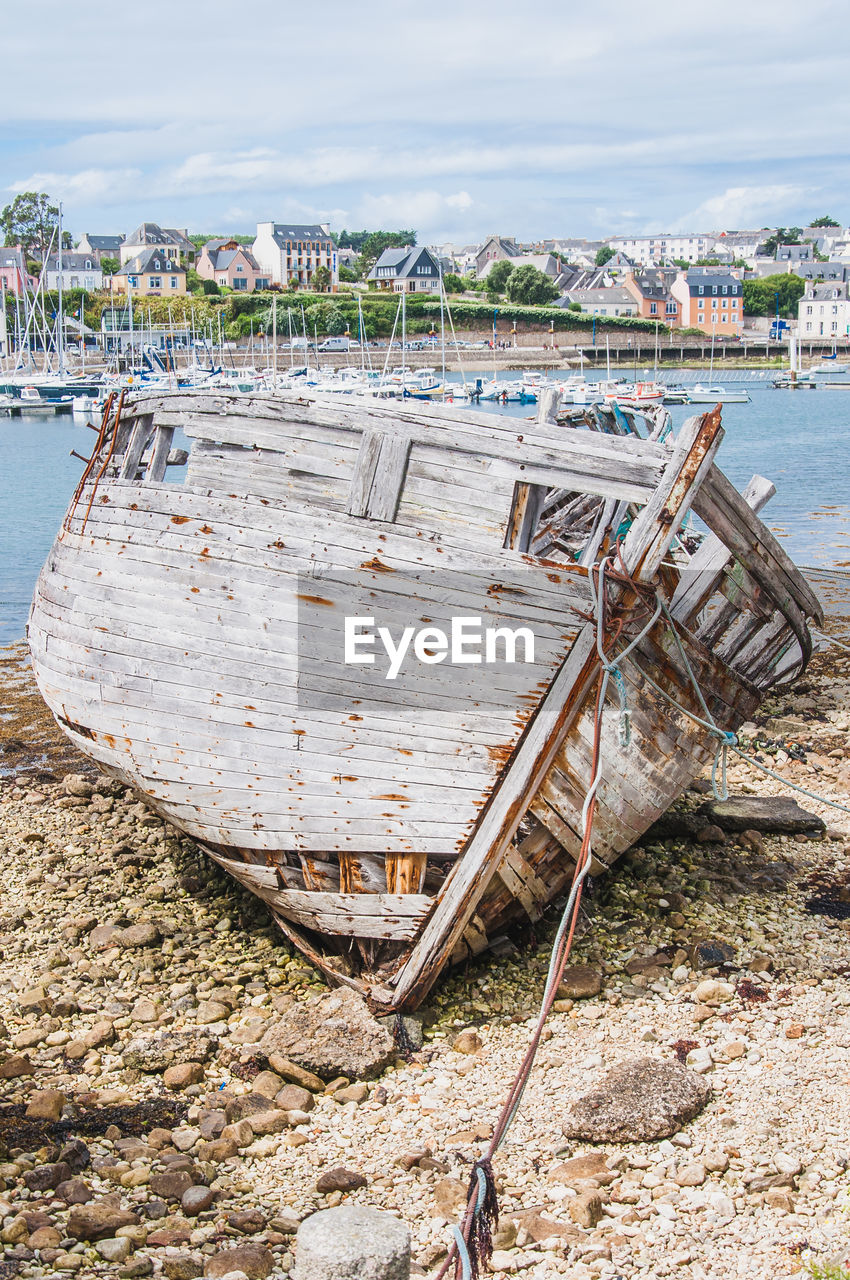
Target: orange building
[[711, 299], [651, 291]]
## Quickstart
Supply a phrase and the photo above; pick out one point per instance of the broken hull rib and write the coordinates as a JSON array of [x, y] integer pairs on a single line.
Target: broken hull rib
[[188, 638]]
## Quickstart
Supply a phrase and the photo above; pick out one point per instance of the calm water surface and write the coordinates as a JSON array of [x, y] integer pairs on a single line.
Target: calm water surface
[[800, 440]]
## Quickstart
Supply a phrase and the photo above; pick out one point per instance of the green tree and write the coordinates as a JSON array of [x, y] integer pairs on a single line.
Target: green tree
[[762, 297], [109, 265], [825, 221], [603, 255], [347, 276], [453, 282], [498, 275], [321, 279], [574, 306], [782, 235], [530, 287], [29, 221], [376, 242]]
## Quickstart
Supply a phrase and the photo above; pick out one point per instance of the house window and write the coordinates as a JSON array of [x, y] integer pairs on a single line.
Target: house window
[[75, 282], [834, 326], [808, 312], [240, 284], [701, 289], [133, 282], [174, 282], [89, 282], [808, 326], [653, 308], [154, 282], [240, 267]]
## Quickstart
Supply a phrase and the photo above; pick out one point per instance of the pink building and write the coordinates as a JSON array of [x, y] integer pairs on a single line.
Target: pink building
[[14, 277], [230, 264]]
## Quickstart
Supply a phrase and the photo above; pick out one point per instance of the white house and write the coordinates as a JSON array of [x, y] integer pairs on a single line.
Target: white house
[[824, 311], [79, 271], [648, 251], [289, 251]]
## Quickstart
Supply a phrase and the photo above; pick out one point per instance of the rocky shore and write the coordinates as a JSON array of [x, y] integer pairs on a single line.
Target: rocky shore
[[179, 1089]]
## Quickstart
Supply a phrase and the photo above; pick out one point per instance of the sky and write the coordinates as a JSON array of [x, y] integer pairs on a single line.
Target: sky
[[539, 118]]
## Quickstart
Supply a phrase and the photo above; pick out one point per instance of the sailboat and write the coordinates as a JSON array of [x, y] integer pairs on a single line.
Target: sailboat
[[713, 393]]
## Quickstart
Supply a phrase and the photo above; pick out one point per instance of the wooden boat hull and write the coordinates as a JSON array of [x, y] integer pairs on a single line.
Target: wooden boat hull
[[186, 637]]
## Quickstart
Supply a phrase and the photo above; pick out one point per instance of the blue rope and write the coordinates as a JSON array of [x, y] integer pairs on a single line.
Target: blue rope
[[463, 1253]]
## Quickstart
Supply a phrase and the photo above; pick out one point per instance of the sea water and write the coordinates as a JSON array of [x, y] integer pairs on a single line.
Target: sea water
[[799, 439]]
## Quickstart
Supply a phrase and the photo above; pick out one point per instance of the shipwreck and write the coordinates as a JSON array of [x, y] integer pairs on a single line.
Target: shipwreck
[[189, 631]]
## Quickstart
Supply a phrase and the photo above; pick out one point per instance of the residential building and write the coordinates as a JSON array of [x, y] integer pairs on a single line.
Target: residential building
[[710, 299], [79, 271], [824, 311], [495, 249], [545, 262], [651, 291], [100, 246], [649, 251], [612, 301], [14, 277], [171, 242], [820, 271], [150, 274], [795, 253], [289, 252], [230, 264], [413, 269]]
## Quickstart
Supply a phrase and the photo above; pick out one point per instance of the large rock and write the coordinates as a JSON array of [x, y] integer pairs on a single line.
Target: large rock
[[333, 1034], [762, 813], [98, 1221], [352, 1243], [638, 1101], [253, 1260], [156, 1053]]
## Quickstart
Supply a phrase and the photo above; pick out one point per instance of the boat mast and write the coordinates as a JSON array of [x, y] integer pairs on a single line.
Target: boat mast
[[61, 318], [274, 342], [442, 329], [403, 337]]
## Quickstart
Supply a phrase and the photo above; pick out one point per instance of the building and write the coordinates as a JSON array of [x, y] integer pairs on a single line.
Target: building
[[289, 253], [171, 242], [647, 251], [151, 274], [613, 301], [100, 246], [651, 291], [710, 299], [408, 270], [79, 271], [824, 311], [495, 249], [14, 277], [545, 262], [795, 253], [231, 265]]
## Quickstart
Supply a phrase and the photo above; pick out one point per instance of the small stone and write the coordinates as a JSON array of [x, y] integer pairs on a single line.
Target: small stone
[[352, 1242], [579, 1168], [182, 1074], [286, 1221], [253, 1260], [271, 1121], [298, 1075], [267, 1084], [580, 982], [586, 1209], [784, 1162], [45, 1238], [16, 1066], [196, 1199], [712, 992], [762, 813], [245, 1105], [34, 999], [710, 834], [182, 1267], [209, 1011], [794, 1030], [171, 1185], [138, 935], [449, 1195], [352, 1093], [715, 1161], [46, 1177], [340, 1179], [115, 1250], [777, 1198], [710, 953], [46, 1104], [691, 1175], [467, 1042], [293, 1098]]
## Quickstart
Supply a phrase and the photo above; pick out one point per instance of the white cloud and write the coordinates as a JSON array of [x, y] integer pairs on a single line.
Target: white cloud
[[88, 186], [425, 211], [739, 207]]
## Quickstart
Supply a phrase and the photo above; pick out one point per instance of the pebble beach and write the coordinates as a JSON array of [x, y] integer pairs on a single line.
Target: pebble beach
[[156, 1117]]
